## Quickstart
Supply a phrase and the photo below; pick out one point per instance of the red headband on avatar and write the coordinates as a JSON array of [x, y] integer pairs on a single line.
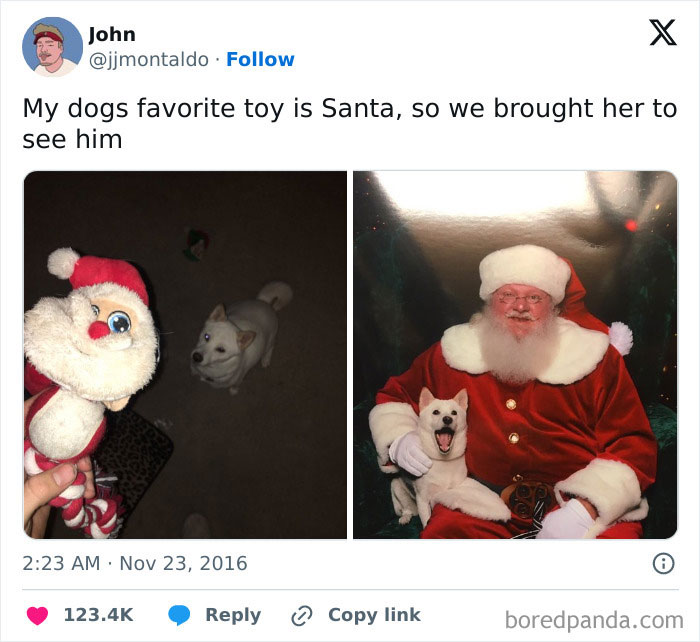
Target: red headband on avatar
[[49, 34]]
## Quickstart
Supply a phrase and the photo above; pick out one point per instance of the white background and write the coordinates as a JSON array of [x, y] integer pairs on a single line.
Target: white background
[[403, 52]]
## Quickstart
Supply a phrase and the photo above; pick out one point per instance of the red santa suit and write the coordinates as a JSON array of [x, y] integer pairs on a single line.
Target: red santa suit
[[579, 427]]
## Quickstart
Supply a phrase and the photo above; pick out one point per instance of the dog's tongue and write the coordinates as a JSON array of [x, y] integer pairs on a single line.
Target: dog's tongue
[[444, 440]]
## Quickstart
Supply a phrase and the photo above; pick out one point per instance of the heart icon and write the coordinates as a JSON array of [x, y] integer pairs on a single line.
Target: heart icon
[[37, 615]]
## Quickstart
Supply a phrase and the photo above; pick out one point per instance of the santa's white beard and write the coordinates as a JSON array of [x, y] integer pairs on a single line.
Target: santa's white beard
[[57, 343], [515, 360]]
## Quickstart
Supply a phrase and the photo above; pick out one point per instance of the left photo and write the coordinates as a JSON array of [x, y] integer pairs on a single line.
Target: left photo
[[185, 355]]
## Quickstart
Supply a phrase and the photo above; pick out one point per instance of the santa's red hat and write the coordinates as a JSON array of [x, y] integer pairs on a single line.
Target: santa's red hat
[[541, 268], [66, 263]]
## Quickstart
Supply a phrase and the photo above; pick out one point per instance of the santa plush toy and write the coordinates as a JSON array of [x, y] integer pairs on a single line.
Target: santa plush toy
[[87, 351]]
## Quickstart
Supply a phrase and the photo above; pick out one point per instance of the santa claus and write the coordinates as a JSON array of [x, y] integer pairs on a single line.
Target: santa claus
[[555, 424]]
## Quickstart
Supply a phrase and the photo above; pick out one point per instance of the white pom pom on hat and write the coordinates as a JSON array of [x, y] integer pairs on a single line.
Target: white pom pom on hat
[[62, 262], [621, 337], [524, 265]]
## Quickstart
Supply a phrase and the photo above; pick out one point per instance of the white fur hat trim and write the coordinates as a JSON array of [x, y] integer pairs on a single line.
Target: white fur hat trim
[[62, 262], [524, 265]]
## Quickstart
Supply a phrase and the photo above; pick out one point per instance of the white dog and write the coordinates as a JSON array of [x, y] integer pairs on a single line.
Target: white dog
[[442, 428], [235, 338]]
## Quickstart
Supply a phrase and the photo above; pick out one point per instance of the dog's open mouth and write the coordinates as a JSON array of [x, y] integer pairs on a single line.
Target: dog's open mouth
[[443, 437]]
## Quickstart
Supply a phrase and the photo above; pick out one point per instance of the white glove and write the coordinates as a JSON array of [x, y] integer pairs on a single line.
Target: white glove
[[406, 452], [571, 521]]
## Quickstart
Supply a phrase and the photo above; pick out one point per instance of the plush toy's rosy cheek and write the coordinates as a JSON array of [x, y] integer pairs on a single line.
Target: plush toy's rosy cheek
[[98, 329]]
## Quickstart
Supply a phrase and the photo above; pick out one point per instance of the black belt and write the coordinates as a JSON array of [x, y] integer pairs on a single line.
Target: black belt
[[496, 489]]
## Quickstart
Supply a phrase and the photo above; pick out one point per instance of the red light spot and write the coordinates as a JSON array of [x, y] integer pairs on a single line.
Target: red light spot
[[631, 225]]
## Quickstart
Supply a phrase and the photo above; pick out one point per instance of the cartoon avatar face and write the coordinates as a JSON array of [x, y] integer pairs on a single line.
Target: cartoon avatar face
[[48, 51]]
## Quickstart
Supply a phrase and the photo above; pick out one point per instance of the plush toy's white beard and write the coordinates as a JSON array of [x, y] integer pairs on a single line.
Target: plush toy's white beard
[[515, 360], [57, 343]]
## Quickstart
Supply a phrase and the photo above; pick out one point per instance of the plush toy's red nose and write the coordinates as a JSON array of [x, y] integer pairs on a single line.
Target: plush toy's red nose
[[98, 329]]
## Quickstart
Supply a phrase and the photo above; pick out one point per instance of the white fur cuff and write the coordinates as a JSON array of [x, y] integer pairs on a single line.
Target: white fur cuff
[[473, 498], [387, 422], [612, 487]]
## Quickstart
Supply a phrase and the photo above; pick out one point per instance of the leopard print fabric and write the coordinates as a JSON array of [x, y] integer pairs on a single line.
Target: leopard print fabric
[[135, 451]]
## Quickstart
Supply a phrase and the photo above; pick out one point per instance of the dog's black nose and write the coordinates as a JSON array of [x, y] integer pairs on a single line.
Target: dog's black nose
[[197, 357], [447, 420]]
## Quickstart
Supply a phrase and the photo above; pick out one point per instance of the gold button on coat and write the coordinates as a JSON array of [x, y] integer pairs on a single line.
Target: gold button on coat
[[517, 478], [511, 405], [514, 438]]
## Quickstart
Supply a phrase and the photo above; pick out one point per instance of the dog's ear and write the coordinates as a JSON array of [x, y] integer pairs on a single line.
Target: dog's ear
[[462, 399], [245, 338], [425, 399], [218, 313]]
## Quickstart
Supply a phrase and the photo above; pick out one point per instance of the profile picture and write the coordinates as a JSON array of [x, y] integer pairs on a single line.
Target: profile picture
[[52, 47], [515, 355]]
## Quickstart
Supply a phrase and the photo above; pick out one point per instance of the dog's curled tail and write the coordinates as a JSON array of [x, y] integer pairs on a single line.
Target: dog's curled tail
[[276, 293]]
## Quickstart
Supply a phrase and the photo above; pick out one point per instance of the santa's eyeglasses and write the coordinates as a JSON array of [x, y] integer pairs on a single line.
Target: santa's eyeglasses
[[510, 298]]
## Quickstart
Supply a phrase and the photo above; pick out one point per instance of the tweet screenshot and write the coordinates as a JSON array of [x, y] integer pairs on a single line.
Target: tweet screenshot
[[309, 308]]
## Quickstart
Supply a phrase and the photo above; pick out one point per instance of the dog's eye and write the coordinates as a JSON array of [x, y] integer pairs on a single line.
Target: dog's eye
[[95, 310], [119, 322], [220, 349], [454, 412], [436, 412], [207, 337]]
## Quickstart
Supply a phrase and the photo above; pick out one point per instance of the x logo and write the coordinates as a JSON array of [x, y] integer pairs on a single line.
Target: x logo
[[663, 31]]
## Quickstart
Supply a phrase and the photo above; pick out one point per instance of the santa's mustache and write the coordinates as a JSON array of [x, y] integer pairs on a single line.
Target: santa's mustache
[[512, 314]]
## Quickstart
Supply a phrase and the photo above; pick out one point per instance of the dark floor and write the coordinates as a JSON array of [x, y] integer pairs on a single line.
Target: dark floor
[[271, 461]]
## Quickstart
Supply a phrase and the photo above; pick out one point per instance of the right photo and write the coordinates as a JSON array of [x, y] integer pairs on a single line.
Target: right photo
[[515, 355]]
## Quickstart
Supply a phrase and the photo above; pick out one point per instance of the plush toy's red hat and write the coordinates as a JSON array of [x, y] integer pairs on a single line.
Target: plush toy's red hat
[[84, 271]]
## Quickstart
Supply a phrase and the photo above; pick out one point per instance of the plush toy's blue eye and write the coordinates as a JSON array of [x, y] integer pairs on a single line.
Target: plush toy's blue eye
[[119, 322], [207, 337], [96, 310]]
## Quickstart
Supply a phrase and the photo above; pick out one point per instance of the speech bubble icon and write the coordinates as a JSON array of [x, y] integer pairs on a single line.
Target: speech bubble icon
[[179, 614]]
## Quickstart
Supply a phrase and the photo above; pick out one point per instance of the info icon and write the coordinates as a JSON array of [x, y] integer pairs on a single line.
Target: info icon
[[663, 563]]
